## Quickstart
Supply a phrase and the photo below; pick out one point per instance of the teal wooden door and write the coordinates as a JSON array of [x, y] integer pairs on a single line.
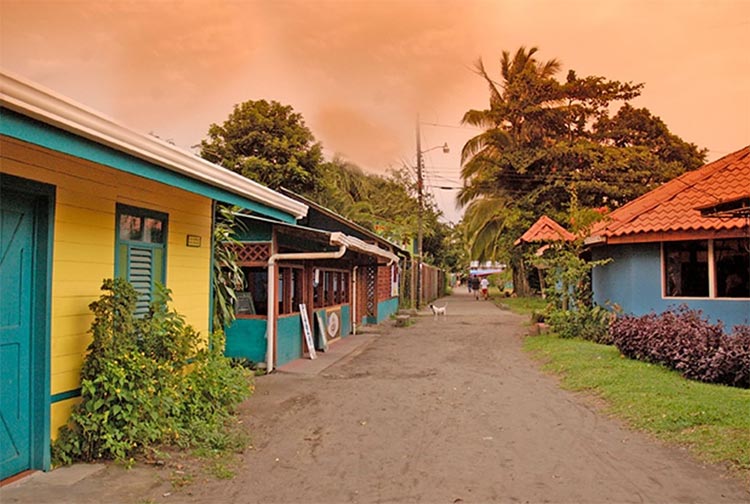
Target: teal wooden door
[[16, 255]]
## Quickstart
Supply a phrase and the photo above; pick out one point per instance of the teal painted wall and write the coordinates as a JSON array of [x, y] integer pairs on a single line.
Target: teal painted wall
[[346, 321], [35, 132], [386, 309], [289, 339], [633, 281], [246, 338]]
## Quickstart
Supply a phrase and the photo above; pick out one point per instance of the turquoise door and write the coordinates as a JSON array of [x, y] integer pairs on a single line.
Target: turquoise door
[[16, 255]]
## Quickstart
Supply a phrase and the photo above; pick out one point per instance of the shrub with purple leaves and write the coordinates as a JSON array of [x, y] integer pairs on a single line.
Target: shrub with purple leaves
[[686, 342]]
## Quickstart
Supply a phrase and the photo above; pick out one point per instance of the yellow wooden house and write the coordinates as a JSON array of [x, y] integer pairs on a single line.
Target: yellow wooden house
[[82, 199]]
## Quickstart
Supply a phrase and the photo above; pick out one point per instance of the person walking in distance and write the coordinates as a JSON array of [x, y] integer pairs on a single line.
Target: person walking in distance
[[485, 285], [474, 282]]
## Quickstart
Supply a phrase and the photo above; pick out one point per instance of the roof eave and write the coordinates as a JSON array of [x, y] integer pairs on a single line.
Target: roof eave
[[44, 105]]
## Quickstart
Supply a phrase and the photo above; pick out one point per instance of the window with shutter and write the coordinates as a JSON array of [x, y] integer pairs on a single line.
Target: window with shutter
[[141, 244]]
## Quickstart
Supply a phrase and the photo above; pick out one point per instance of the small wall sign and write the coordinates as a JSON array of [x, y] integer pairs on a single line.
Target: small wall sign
[[193, 240]]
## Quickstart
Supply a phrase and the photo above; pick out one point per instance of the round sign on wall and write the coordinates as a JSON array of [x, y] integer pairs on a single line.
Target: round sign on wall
[[333, 324]]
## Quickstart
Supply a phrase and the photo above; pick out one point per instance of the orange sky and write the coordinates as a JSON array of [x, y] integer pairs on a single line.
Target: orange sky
[[359, 71]]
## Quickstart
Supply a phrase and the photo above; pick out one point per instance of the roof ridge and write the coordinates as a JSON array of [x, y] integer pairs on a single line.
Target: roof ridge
[[670, 189]]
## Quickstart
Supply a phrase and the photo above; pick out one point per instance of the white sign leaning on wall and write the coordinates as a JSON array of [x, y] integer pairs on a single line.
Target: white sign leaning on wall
[[307, 330]]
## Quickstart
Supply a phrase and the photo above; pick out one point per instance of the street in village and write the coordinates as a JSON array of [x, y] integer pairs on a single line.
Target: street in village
[[447, 410]]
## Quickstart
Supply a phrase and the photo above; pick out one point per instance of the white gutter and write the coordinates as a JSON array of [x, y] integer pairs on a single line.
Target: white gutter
[[270, 319], [354, 300], [362, 246], [32, 100]]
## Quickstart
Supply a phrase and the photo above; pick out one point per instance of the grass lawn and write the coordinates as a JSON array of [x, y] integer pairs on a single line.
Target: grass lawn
[[712, 420], [522, 305]]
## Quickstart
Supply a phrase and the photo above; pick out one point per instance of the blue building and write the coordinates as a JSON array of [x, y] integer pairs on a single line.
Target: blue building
[[685, 243]]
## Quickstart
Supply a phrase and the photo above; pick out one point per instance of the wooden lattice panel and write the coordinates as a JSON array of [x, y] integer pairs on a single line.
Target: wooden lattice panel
[[372, 283], [253, 252]]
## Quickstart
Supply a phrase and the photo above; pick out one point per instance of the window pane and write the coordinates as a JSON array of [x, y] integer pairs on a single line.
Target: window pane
[[131, 227], [296, 289], [336, 299], [256, 289], [732, 267], [686, 269], [153, 231], [345, 288], [281, 292], [327, 297]]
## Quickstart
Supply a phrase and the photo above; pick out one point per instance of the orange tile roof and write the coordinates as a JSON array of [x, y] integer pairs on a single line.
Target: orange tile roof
[[545, 230], [674, 207]]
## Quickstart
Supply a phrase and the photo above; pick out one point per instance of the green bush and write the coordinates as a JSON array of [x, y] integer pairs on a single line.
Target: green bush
[[145, 381], [589, 323]]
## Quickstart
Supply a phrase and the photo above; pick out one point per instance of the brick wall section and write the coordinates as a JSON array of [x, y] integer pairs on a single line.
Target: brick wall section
[[384, 283]]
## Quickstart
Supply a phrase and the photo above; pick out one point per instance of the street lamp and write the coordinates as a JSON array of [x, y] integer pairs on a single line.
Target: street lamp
[[416, 291]]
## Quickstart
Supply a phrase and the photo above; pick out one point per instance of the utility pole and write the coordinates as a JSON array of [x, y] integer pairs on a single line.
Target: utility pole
[[420, 217]]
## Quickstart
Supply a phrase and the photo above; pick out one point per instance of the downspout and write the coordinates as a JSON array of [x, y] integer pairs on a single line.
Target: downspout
[[270, 322], [354, 300]]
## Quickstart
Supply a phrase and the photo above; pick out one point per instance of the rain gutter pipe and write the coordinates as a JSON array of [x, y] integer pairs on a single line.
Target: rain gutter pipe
[[354, 300]]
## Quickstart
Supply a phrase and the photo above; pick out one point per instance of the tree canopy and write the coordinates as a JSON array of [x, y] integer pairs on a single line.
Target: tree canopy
[[267, 142], [546, 143]]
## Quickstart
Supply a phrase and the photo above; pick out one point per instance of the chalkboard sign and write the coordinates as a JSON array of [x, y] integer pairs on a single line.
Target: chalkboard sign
[[322, 332], [307, 330]]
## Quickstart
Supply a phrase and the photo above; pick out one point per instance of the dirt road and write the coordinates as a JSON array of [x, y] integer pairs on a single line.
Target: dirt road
[[449, 410]]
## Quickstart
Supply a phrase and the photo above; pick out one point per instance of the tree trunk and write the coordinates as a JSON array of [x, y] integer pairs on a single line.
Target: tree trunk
[[520, 282]]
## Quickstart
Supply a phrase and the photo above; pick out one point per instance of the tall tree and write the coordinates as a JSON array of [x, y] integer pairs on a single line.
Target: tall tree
[[267, 142], [545, 141]]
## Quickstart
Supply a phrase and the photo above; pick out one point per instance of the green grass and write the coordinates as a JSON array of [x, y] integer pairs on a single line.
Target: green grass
[[712, 420], [522, 305]]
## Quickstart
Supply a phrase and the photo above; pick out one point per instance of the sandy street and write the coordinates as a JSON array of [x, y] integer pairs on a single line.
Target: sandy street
[[449, 410]]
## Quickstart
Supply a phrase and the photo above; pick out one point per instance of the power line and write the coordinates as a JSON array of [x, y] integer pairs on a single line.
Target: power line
[[452, 126]]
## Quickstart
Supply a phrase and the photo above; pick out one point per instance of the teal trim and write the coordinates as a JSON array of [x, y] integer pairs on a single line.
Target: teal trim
[[30, 130], [124, 250], [41, 321], [386, 309], [64, 396], [346, 320], [246, 339], [211, 276], [288, 339]]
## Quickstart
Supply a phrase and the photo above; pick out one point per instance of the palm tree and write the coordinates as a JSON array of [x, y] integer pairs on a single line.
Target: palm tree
[[522, 108]]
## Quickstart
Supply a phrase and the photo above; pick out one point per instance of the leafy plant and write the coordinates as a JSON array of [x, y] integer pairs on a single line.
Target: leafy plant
[[147, 381], [684, 341], [228, 276]]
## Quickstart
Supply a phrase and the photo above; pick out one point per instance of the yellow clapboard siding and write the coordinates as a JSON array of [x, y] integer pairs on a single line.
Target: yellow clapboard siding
[[59, 414], [71, 345], [70, 271], [73, 305], [86, 198], [73, 213], [70, 325], [78, 288], [64, 364], [65, 382], [103, 253]]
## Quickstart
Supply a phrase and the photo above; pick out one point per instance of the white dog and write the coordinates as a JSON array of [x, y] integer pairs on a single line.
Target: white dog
[[439, 310]]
